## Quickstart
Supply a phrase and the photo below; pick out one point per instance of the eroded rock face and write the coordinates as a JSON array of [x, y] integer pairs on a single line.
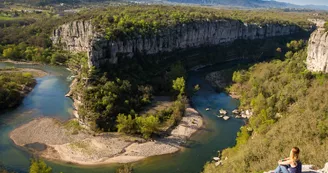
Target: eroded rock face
[[74, 36], [317, 59], [80, 36]]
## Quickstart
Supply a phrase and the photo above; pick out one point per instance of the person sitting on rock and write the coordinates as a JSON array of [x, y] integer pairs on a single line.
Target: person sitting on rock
[[291, 164]]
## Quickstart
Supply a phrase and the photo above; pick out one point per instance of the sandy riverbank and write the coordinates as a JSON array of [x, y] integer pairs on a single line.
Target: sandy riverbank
[[20, 62], [36, 73], [63, 144]]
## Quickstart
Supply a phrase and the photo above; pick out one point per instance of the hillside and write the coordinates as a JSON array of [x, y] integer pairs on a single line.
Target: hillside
[[251, 4], [290, 109], [46, 2], [231, 3], [240, 3]]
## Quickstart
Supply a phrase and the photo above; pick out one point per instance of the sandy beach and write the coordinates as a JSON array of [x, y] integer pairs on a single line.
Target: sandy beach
[[65, 144]]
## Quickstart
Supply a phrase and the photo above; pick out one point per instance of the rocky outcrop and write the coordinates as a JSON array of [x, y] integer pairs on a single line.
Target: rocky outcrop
[[317, 59], [75, 36], [80, 36]]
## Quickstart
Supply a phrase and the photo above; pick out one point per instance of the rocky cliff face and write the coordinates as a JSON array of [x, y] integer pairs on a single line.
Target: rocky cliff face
[[317, 59], [80, 36], [75, 36]]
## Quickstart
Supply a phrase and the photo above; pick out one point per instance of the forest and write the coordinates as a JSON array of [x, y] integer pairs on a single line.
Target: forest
[[14, 85], [125, 23], [290, 107], [108, 105]]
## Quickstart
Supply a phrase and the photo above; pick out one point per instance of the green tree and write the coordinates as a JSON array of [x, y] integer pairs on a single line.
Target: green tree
[[179, 85], [147, 125], [326, 26], [39, 166], [240, 76], [125, 124], [10, 53], [177, 70], [126, 168]]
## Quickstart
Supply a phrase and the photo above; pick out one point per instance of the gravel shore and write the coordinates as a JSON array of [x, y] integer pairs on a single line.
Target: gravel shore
[[36, 73], [64, 144]]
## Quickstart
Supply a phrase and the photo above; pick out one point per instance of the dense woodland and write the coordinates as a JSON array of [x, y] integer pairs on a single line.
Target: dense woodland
[[13, 87], [290, 109], [125, 23], [107, 101]]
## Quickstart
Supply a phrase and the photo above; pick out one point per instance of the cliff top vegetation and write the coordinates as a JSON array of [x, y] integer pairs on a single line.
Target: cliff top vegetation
[[33, 29], [129, 21]]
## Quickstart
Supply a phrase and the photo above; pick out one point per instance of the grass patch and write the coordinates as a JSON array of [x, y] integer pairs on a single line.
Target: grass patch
[[82, 146], [73, 126], [6, 18]]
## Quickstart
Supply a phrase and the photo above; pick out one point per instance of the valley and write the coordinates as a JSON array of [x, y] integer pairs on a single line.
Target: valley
[[145, 85]]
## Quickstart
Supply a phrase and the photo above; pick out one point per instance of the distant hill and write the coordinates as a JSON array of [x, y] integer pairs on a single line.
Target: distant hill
[[241, 3], [251, 4], [232, 3], [46, 2]]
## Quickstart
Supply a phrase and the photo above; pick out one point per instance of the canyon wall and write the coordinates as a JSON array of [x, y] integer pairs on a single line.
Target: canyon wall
[[80, 36], [317, 59]]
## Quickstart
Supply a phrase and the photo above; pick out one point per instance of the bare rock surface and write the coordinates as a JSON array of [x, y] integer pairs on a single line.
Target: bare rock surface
[[80, 36], [317, 59]]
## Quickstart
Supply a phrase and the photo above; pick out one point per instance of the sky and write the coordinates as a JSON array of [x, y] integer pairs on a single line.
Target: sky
[[306, 2]]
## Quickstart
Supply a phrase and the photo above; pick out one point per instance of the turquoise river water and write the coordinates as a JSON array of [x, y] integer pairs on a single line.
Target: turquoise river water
[[47, 100]]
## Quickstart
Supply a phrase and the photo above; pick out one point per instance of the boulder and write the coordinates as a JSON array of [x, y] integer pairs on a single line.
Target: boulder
[[235, 111], [226, 117], [218, 163], [223, 112]]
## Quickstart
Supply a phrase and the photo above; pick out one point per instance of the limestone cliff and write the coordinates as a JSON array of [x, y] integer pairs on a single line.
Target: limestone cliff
[[317, 59], [81, 36], [75, 36]]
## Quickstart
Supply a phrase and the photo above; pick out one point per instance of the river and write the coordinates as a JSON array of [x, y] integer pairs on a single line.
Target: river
[[47, 100]]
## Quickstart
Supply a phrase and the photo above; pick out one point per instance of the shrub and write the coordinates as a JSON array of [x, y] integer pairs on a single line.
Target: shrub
[[126, 168], [147, 125], [39, 166], [179, 85], [125, 124], [326, 26]]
